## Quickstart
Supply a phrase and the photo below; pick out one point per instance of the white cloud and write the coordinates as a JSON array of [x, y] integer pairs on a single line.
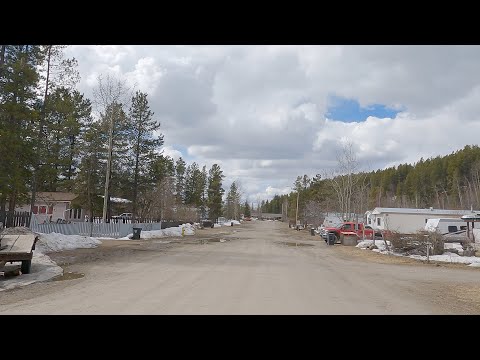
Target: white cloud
[[171, 152], [258, 111]]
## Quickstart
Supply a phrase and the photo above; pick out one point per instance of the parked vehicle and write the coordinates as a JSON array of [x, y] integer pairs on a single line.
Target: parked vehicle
[[348, 227], [126, 216]]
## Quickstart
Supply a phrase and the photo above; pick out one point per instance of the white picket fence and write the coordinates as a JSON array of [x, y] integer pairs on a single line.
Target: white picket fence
[[114, 230]]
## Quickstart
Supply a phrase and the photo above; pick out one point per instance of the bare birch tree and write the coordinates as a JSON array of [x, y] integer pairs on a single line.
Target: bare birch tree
[[110, 91], [344, 179]]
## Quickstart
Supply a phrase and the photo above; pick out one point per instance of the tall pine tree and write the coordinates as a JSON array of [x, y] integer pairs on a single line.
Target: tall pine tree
[[215, 192], [145, 143]]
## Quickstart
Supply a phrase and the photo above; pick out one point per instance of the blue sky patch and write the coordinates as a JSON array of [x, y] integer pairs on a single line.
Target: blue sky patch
[[349, 110]]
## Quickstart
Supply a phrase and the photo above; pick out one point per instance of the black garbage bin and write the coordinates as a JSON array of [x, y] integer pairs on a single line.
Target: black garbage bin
[[331, 238], [136, 233], [312, 231]]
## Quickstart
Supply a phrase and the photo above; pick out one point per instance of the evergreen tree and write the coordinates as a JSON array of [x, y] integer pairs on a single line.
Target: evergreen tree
[[232, 206], [91, 178], [193, 185], [246, 211], [68, 111], [215, 191], [203, 187], [144, 143], [180, 168], [18, 121]]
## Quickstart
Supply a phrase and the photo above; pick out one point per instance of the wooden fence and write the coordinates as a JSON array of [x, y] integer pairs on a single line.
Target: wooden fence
[[96, 229], [15, 218]]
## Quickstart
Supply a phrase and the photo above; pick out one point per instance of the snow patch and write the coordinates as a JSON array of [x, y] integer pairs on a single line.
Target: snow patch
[[456, 246], [43, 269], [450, 258], [58, 242], [168, 232], [364, 244]]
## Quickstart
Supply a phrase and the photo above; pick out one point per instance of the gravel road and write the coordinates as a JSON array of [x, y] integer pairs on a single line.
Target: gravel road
[[263, 267]]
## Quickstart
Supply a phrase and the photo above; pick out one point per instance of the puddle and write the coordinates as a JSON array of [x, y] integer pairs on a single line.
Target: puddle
[[69, 276], [288, 243]]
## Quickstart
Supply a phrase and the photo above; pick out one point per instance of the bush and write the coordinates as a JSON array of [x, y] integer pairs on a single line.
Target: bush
[[416, 244], [397, 240]]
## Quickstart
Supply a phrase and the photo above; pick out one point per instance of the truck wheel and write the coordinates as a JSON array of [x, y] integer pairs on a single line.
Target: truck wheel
[[26, 266]]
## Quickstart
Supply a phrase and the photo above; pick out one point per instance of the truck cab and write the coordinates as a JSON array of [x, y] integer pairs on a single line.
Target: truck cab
[[348, 227]]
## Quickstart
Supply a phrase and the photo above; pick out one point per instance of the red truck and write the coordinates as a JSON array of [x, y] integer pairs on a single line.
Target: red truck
[[348, 227]]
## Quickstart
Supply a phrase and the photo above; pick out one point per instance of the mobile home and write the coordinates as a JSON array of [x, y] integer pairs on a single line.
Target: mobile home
[[407, 220], [445, 225]]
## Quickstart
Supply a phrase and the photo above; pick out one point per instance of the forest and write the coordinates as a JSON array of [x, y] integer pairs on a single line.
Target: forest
[[443, 182], [54, 138]]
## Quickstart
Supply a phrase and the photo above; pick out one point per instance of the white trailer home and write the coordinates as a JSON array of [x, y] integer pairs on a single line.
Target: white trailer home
[[446, 225], [406, 220]]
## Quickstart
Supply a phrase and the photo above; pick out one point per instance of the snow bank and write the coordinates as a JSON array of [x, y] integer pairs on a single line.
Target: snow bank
[[379, 243], [43, 269], [450, 258], [446, 257], [456, 246], [168, 232], [58, 242]]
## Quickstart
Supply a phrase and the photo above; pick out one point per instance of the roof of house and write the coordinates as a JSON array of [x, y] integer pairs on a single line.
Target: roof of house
[[430, 211], [117, 200], [49, 196]]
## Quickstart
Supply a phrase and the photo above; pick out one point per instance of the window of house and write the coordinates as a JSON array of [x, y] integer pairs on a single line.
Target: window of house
[[463, 227], [35, 209], [43, 209], [369, 220], [50, 209], [452, 228], [379, 221]]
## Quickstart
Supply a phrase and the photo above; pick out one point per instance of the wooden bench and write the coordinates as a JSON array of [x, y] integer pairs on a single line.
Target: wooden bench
[[15, 248]]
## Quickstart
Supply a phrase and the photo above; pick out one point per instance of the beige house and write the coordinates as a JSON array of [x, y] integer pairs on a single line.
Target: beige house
[[53, 206]]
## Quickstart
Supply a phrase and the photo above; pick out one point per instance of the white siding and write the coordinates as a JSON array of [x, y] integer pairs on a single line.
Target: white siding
[[405, 223]]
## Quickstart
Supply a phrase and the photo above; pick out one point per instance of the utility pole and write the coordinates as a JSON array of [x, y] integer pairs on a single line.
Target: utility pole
[[109, 166], [296, 212]]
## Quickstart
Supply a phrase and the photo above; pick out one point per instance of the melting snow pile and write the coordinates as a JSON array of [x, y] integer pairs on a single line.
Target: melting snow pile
[[58, 242], [365, 244], [448, 256], [451, 258], [455, 246], [189, 229]]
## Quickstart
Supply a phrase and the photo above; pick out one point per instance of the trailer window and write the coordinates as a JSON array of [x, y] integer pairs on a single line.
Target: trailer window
[[452, 228]]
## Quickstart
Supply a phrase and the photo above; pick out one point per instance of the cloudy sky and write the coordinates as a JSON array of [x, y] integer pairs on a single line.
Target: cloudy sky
[[267, 114]]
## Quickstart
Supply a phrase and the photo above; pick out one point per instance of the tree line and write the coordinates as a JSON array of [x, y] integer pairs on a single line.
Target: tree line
[[442, 182], [54, 138]]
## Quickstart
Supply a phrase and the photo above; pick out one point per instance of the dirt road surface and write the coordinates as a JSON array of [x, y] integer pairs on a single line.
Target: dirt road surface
[[261, 267]]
